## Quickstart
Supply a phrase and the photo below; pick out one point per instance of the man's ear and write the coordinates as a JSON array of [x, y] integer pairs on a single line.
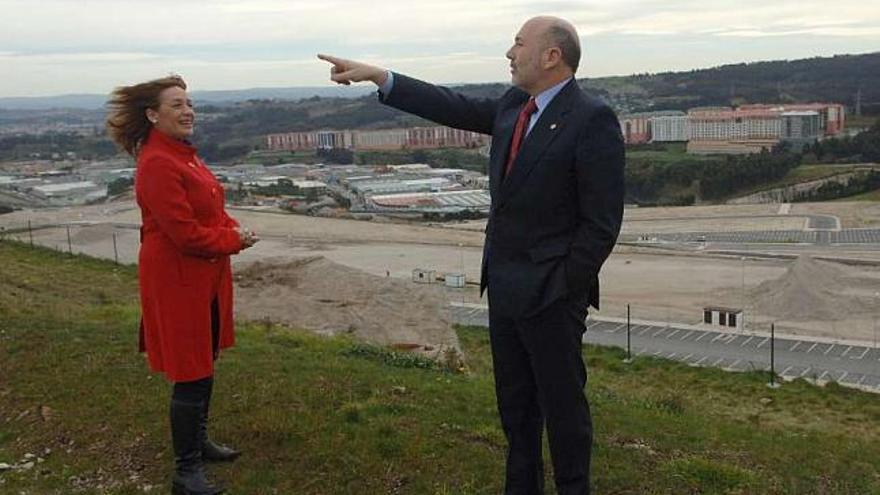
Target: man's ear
[[552, 57]]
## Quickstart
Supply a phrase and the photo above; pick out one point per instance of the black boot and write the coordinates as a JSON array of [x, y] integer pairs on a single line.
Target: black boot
[[189, 473], [211, 451]]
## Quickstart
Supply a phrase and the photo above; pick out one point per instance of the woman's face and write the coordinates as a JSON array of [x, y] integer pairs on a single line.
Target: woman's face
[[175, 115]]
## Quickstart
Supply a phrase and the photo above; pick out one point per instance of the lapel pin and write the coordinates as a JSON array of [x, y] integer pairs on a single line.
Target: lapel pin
[[552, 127]]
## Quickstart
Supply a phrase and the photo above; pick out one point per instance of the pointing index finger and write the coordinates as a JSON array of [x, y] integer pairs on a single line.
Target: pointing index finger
[[330, 58]]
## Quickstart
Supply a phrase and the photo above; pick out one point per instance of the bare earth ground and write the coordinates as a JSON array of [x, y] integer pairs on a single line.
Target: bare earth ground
[[362, 283], [853, 215], [333, 299]]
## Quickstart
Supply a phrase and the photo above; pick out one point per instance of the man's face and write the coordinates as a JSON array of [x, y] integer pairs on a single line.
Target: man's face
[[525, 56]]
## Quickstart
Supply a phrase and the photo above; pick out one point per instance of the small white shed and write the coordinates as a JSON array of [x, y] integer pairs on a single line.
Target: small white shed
[[723, 317]]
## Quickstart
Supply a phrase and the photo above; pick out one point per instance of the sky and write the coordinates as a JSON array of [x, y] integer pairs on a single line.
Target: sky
[[50, 47]]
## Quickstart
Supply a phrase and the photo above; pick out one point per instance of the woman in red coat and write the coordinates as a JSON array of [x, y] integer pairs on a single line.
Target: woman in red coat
[[183, 265]]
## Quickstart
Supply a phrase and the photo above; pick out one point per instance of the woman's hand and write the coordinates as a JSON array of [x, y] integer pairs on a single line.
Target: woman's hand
[[247, 237]]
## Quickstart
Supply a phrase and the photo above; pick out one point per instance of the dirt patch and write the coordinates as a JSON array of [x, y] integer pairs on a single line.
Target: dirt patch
[[317, 294], [817, 290], [92, 233]]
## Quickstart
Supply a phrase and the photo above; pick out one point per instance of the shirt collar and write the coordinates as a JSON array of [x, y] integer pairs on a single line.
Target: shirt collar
[[545, 97]]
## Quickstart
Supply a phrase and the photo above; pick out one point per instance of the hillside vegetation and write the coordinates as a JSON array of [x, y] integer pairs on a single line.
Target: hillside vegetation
[[227, 132], [331, 416]]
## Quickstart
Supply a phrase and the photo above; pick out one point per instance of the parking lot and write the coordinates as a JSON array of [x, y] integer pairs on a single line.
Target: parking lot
[[852, 365]]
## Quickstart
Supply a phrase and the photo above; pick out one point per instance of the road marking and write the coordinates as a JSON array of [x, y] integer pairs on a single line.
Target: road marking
[[701, 360], [645, 330], [715, 364], [843, 376], [846, 351], [785, 370], [671, 355], [685, 336], [687, 357], [863, 354], [658, 332], [657, 353], [673, 333], [701, 336], [735, 363], [795, 345], [761, 344], [828, 350], [862, 380], [822, 376], [747, 341], [812, 347], [720, 335], [806, 370]]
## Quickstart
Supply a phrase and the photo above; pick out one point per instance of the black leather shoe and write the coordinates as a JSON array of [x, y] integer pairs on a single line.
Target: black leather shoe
[[215, 452]]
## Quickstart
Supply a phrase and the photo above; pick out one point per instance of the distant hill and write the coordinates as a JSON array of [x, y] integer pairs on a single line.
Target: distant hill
[[94, 101], [838, 78], [832, 79], [233, 123]]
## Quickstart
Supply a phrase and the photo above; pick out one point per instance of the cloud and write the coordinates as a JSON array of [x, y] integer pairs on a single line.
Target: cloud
[[55, 46]]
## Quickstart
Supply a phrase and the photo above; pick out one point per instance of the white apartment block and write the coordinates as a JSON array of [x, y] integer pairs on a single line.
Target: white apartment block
[[669, 128]]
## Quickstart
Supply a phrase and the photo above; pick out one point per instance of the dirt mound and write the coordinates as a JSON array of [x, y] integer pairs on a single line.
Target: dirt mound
[[316, 294], [815, 290], [90, 234]]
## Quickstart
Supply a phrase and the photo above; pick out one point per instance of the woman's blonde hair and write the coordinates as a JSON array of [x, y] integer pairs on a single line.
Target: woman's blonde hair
[[127, 121]]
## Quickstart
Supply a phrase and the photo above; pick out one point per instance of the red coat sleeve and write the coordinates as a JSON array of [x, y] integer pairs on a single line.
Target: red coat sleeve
[[163, 193], [229, 221]]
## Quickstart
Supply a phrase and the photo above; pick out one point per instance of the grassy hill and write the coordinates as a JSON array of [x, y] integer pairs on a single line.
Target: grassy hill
[[331, 416]]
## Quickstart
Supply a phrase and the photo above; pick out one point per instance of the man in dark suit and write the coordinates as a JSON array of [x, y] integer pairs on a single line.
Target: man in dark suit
[[556, 181]]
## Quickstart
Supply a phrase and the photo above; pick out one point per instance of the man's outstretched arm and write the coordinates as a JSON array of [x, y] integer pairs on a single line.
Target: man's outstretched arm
[[435, 103]]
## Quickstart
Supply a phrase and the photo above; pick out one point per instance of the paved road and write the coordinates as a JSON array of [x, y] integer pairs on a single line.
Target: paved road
[[850, 365]]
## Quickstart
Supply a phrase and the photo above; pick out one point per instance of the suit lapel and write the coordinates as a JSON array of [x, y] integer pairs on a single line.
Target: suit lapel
[[548, 126], [501, 147]]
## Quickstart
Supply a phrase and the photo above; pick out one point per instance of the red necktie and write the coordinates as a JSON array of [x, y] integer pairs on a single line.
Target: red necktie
[[519, 132]]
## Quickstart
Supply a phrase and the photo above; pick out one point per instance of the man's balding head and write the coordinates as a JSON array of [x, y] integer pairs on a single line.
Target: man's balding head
[[559, 33], [546, 50]]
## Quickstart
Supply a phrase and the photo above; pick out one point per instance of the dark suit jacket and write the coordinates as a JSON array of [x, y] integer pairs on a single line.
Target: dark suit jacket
[[555, 218]]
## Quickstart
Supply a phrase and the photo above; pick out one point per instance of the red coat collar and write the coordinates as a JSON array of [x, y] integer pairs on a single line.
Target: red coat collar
[[159, 138]]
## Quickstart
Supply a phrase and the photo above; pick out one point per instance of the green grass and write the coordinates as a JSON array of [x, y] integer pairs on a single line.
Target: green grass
[[269, 158], [672, 154], [331, 416]]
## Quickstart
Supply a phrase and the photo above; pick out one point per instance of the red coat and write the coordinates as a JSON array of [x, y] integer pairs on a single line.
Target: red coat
[[183, 264]]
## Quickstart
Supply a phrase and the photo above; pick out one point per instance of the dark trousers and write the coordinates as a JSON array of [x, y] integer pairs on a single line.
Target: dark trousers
[[539, 379]]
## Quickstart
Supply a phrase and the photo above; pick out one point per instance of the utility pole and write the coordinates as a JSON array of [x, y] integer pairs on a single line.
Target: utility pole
[[628, 339], [773, 383], [743, 277]]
